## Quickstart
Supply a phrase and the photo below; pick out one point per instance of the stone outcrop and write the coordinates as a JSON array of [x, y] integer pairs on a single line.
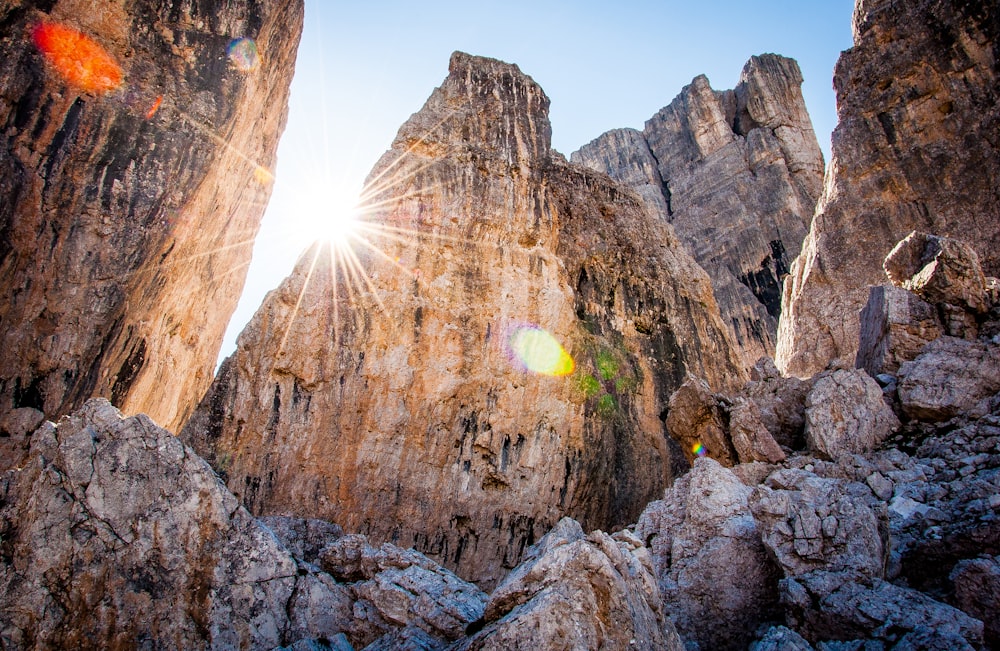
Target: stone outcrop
[[737, 173], [133, 171], [914, 149], [717, 581], [115, 535], [577, 591], [506, 361]]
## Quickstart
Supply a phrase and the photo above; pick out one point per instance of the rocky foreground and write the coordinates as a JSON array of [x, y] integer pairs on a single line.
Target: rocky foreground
[[853, 532]]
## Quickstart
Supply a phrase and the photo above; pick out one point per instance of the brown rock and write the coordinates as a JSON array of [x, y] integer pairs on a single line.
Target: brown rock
[[577, 592], [399, 407], [699, 422], [845, 414], [781, 402], [913, 150], [114, 533], [977, 593], [950, 377], [716, 578], [130, 206], [939, 270], [895, 326], [737, 174], [750, 437]]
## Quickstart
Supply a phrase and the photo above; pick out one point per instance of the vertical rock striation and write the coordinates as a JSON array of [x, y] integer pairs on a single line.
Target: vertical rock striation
[[737, 174], [131, 195], [916, 148], [505, 361]]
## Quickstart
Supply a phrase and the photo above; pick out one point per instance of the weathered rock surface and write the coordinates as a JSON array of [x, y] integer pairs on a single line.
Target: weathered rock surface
[[128, 216], [895, 326], [406, 408], [845, 412], [915, 149], [951, 376], [977, 592], [716, 578], [116, 535], [845, 606], [811, 523], [737, 174], [577, 591]]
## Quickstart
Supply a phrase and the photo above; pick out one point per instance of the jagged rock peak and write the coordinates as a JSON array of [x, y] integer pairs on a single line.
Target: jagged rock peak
[[483, 105], [737, 174], [130, 198], [918, 101], [505, 364]]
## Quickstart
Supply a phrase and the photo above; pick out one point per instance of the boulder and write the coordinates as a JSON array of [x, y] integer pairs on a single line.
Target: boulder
[[781, 402], [938, 270], [845, 413], [697, 419], [115, 533], [825, 605], [895, 326], [717, 580], [811, 523], [577, 591], [949, 377], [749, 435], [977, 593]]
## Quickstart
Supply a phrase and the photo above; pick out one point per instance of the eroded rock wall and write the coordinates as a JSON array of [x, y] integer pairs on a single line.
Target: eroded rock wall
[[431, 404], [134, 158], [916, 148], [737, 174]]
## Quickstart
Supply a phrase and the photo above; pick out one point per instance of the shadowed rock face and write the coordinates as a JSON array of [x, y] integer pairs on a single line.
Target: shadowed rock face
[[916, 148], [406, 407], [130, 199], [737, 174]]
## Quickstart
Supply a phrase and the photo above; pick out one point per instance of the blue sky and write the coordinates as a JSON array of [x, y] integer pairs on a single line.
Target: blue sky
[[364, 68]]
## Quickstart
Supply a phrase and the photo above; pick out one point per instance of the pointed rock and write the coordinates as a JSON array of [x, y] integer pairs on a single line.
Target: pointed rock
[[504, 362], [913, 150]]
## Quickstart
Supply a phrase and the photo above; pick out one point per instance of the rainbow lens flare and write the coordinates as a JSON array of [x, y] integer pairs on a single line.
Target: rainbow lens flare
[[699, 449], [540, 352], [243, 54], [79, 59]]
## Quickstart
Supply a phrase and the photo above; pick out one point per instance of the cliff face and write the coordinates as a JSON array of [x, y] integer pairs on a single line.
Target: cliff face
[[737, 174], [506, 361], [133, 165], [916, 148]]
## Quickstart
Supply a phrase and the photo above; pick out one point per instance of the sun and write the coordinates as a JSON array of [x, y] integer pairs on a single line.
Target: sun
[[327, 212]]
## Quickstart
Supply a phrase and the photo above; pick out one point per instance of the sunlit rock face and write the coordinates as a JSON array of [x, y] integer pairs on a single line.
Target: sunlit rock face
[[737, 174], [916, 149], [501, 354], [134, 149]]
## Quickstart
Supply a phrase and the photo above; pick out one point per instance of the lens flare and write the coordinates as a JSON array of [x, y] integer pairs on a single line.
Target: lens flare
[[79, 59], [243, 54], [698, 449], [540, 352]]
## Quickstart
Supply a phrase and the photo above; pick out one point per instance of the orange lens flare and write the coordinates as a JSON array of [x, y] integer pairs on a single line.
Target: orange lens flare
[[540, 352], [154, 108], [79, 59]]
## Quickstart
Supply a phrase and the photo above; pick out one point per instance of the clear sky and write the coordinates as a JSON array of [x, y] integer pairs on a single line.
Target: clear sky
[[364, 67]]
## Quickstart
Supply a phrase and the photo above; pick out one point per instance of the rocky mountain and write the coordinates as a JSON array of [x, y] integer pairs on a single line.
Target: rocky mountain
[[507, 360], [134, 157], [516, 340], [915, 148], [737, 174]]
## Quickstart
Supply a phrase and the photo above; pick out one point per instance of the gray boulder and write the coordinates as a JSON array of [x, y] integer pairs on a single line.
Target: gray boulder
[[845, 413], [950, 377]]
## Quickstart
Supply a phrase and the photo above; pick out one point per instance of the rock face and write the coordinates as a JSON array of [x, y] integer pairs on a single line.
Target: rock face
[[507, 363], [116, 535], [575, 591], [737, 174], [917, 98], [133, 171]]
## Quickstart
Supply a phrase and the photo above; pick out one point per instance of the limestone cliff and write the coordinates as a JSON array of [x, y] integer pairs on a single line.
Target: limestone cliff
[[918, 99], [737, 174], [507, 359], [133, 169]]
